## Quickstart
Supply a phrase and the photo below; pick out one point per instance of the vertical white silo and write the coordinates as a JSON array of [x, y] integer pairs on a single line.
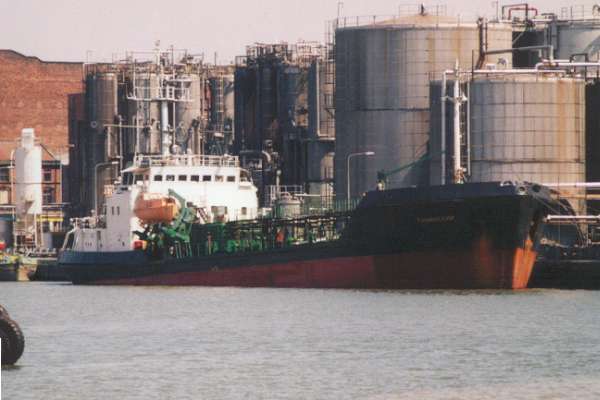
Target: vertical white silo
[[28, 175]]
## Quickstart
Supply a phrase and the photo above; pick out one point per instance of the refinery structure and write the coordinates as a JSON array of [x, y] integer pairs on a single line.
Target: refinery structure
[[414, 99]]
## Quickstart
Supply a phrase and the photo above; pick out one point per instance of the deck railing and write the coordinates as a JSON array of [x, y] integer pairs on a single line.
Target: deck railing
[[194, 160]]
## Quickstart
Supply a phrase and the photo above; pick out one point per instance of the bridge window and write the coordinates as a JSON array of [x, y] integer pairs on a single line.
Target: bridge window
[[157, 178], [170, 178], [218, 178], [139, 178], [218, 210], [127, 178], [244, 210], [206, 178], [231, 178], [195, 178], [182, 178]]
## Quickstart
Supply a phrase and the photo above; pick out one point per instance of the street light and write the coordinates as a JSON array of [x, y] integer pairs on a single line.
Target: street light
[[362, 153], [96, 180]]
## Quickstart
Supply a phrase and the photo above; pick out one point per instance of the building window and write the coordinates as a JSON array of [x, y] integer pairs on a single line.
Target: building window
[[231, 179], [47, 175], [49, 195], [171, 178], [182, 178], [4, 196], [4, 174], [206, 178], [118, 210], [195, 178], [218, 178], [157, 178]]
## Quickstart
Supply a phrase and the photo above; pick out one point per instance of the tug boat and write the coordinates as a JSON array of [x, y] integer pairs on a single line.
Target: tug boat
[[460, 236]]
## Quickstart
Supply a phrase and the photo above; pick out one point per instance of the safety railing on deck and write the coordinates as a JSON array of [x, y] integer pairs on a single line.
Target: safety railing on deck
[[186, 160]]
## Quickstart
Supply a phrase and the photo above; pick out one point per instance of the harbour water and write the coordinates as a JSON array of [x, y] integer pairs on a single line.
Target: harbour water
[[231, 343]]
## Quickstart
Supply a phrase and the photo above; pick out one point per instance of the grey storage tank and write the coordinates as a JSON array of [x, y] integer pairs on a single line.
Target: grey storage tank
[[528, 128], [575, 37], [145, 114], [382, 73], [188, 114], [222, 102], [320, 145], [102, 97]]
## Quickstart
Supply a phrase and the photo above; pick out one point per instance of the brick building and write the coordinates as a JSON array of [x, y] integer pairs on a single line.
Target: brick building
[[44, 96]]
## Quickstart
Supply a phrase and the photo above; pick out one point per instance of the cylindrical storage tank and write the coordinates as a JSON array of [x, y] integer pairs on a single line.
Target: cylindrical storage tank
[[244, 107], [102, 89], [382, 92], [291, 97], [528, 128], [288, 207], [267, 103], [575, 37], [321, 122], [592, 138], [525, 37], [229, 101], [319, 166], [145, 114], [188, 114], [28, 175], [222, 103], [326, 169]]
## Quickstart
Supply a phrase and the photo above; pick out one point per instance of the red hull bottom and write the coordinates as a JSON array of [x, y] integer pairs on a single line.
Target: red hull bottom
[[482, 267]]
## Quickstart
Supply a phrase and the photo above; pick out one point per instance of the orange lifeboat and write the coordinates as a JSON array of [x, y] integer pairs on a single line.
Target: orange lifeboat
[[154, 208]]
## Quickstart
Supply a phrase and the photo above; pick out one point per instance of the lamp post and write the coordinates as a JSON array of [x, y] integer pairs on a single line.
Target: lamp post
[[362, 153], [96, 180]]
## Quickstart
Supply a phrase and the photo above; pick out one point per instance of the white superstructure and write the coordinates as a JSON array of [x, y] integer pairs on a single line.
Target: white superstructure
[[215, 185]]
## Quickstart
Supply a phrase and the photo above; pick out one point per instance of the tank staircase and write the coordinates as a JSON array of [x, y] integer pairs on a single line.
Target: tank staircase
[[328, 92]]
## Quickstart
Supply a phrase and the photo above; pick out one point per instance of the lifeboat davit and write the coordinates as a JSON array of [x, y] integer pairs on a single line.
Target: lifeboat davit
[[155, 208]]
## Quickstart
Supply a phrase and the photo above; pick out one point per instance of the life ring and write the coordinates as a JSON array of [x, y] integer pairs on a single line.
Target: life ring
[[13, 341]]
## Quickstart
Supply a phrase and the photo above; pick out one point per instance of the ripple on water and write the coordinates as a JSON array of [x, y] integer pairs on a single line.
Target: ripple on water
[[189, 343]]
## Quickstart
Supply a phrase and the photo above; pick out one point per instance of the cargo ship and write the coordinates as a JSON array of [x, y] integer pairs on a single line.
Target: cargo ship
[[459, 236]]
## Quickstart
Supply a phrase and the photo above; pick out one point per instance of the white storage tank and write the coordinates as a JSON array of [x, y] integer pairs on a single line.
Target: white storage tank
[[28, 175]]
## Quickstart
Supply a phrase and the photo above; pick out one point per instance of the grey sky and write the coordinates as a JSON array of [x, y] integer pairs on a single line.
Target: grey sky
[[67, 29]]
